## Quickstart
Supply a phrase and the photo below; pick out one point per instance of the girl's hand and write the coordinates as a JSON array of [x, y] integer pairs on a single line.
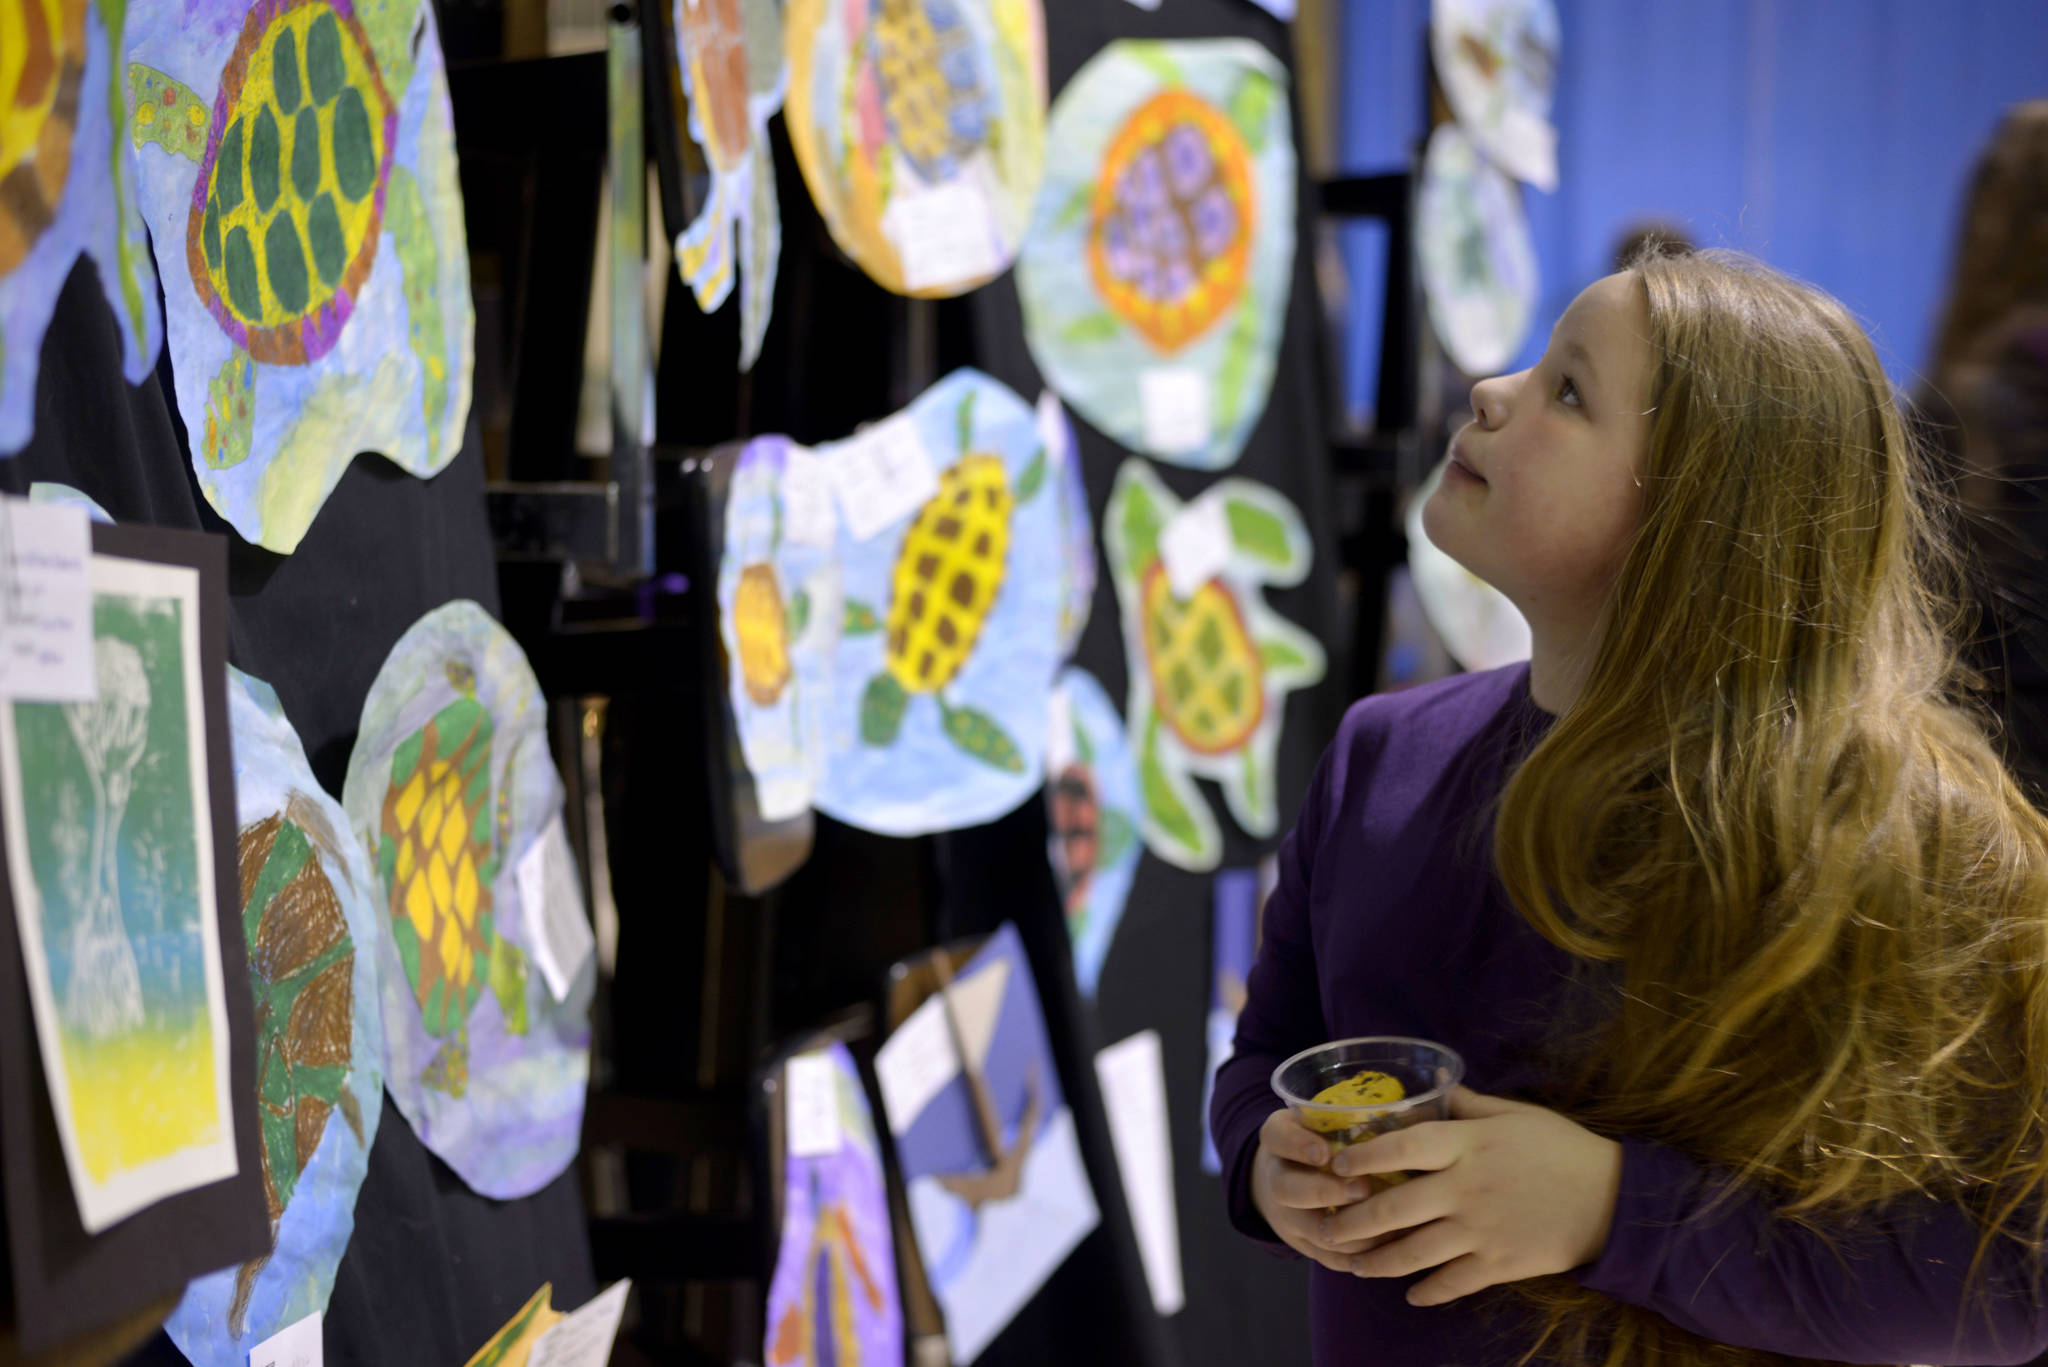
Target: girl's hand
[[1500, 1192], [1295, 1193]]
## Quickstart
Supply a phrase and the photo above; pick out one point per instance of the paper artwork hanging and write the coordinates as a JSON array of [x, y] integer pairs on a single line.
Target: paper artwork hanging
[[1210, 663], [1474, 620], [111, 868], [1497, 61], [1478, 260], [833, 1300], [920, 128], [779, 612], [1077, 526], [297, 162], [1156, 274], [1233, 944], [309, 917], [950, 554], [66, 190], [449, 788], [734, 75], [1092, 803], [513, 1344], [991, 1163]]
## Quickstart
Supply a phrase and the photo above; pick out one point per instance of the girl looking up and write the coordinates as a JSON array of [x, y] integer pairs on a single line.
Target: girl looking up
[[1724, 897]]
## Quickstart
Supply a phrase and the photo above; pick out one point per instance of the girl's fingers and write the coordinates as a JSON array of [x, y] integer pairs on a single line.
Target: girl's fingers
[[1314, 1189], [1389, 1211], [1467, 1104], [1457, 1278], [1430, 1246], [1285, 1136], [1428, 1147]]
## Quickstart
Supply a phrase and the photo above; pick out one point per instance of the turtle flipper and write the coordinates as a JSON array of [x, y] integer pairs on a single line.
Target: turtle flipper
[[704, 250], [449, 1070], [508, 984], [405, 213], [230, 412], [166, 113], [980, 736], [760, 258], [391, 26]]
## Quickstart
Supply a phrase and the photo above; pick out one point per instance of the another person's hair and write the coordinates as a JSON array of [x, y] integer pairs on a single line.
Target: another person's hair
[[1650, 237], [2001, 260], [1812, 907]]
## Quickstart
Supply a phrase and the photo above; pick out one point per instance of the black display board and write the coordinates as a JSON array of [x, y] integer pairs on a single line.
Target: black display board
[[433, 1269]]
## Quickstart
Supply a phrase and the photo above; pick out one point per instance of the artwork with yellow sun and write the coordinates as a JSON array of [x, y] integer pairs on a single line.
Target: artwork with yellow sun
[[450, 786], [1156, 272]]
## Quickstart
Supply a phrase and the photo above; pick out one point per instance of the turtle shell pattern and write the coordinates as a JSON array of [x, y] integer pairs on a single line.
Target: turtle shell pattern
[[435, 859], [936, 98], [1172, 217], [948, 574], [290, 196], [713, 36], [1207, 680], [42, 66], [761, 626]]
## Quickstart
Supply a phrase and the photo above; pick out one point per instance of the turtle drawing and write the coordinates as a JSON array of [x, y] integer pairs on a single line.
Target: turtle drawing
[[65, 190], [920, 128], [1476, 256], [1209, 669], [1497, 60], [779, 619], [729, 53], [309, 917], [1092, 804], [951, 625], [449, 791], [318, 288], [1077, 524], [1163, 245]]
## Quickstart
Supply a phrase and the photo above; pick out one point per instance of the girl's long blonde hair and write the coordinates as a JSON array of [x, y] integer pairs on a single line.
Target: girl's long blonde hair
[[1814, 906]]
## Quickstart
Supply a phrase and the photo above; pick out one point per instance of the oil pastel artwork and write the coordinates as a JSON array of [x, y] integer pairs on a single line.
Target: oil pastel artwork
[[1210, 669], [1091, 795], [309, 917], [449, 786], [297, 167], [1156, 273], [1477, 259]]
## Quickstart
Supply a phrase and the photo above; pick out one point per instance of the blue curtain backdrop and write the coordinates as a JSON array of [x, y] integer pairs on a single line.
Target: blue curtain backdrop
[[1832, 138]]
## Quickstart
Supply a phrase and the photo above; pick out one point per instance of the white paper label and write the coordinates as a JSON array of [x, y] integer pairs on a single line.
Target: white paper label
[[295, 1345], [942, 235], [1175, 407], [584, 1339], [1195, 546], [808, 518], [1133, 1083], [551, 900], [46, 650], [813, 1109], [882, 476], [915, 1063]]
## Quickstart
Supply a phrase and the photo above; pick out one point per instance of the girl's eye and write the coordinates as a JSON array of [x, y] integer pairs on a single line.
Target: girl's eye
[[1568, 392]]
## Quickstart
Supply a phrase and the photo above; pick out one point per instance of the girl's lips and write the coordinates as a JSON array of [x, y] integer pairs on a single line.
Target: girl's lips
[[1460, 469]]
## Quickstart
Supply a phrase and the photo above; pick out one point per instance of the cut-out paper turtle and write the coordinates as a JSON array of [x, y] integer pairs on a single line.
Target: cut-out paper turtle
[[1210, 672], [779, 614], [1092, 805], [952, 618], [449, 788], [298, 172], [833, 1298], [65, 190], [1497, 60], [310, 921], [1156, 273], [920, 128], [1478, 261], [734, 75]]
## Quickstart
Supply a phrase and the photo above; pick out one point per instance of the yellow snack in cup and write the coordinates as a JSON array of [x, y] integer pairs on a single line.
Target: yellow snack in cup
[[1367, 1088]]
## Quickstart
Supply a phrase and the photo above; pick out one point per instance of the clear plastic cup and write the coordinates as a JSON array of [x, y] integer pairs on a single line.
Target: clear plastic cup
[[1426, 1071]]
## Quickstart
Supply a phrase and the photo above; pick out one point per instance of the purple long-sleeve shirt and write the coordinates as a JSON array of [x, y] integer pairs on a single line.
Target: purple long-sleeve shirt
[[1387, 920]]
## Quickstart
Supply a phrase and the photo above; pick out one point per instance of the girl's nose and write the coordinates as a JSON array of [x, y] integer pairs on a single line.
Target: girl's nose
[[1490, 401]]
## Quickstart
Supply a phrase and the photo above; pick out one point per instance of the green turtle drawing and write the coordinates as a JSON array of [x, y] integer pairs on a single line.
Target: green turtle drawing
[[297, 181]]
